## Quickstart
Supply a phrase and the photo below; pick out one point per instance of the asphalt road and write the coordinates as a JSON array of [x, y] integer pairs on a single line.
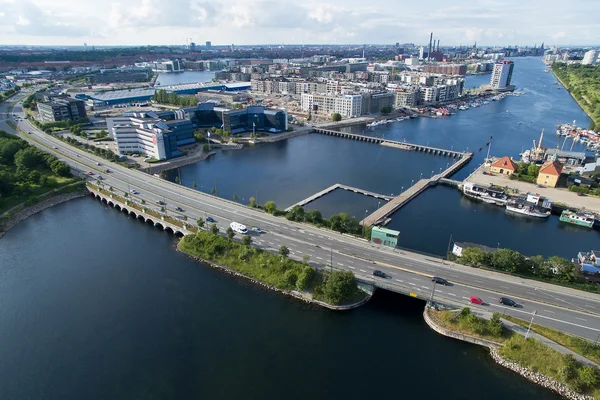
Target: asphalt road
[[569, 310]]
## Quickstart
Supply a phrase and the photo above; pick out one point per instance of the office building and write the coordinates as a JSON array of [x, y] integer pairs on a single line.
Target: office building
[[61, 108], [167, 66], [253, 118], [146, 133], [134, 74], [374, 102], [208, 45], [502, 74], [590, 58], [349, 105], [446, 69]]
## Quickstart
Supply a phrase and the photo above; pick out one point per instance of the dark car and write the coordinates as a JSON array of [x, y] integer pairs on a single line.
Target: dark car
[[160, 203], [439, 280], [210, 219], [379, 273], [178, 209], [507, 302]]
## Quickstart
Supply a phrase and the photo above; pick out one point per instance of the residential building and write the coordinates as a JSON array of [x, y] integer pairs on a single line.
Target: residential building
[[348, 105], [374, 102], [134, 74], [590, 57], [502, 74], [549, 173], [146, 133], [167, 66], [62, 108], [446, 69], [406, 98], [504, 166]]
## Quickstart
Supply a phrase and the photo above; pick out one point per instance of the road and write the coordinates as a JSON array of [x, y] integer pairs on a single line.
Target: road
[[569, 310]]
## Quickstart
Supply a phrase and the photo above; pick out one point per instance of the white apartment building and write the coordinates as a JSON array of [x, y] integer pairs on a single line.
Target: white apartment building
[[138, 135], [502, 74], [590, 58], [406, 98], [349, 105]]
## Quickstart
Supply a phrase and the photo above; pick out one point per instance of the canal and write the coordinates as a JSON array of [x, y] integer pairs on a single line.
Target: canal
[[97, 305]]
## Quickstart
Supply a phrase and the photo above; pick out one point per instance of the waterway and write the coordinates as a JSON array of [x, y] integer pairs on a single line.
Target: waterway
[[291, 170], [185, 77], [97, 305]]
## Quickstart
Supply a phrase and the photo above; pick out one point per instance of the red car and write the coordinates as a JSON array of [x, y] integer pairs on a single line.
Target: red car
[[90, 173], [476, 300]]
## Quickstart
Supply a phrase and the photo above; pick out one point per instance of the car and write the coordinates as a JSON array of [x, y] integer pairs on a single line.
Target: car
[[580, 194], [379, 274], [100, 178], [439, 280], [90, 173], [256, 229], [160, 203], [178, 209], [78, 156], [476, 300], [134, 191], [107, 171], [55, 147], [508, 302], [98, 164], [210, 219]]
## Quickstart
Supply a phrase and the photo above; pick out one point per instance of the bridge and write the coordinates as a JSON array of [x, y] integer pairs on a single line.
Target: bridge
[[333, 187], [569, 310], [381, 215], [391, 143]]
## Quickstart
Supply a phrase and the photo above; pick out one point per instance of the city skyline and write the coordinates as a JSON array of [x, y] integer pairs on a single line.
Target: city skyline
[[142, 22]]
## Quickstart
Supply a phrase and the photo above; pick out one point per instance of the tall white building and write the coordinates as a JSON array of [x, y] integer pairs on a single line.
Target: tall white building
[[502, 74], [590, 58], [349, 105], [138, 135]]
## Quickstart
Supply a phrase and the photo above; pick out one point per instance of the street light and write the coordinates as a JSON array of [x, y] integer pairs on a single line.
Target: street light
[[412, 181], [401, 189], [363, 222], [421, 177], [378, 204], [530, 323], [432, 173]]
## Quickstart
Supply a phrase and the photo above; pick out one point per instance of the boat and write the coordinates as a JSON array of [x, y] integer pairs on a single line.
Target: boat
[[584, 219], [490, 195], [525, 208]]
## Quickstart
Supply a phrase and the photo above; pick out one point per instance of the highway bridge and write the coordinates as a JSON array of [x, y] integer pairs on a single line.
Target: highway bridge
[[409, 273]]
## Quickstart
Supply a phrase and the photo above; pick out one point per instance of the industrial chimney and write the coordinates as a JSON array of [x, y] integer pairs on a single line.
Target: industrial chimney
[[429, 53]]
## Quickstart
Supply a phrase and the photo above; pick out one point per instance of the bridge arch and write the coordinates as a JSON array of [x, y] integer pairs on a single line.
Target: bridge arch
[[159, 225], [149, 221], [168, 229], [179, 234]]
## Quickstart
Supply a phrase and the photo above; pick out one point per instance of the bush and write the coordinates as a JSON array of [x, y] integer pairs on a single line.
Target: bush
[[339, 285], [305, 278]]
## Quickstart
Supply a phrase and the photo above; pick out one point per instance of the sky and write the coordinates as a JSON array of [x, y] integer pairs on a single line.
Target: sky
[[156, 22]]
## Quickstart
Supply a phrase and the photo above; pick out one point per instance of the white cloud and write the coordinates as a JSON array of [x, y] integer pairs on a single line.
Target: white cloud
[[490, 22]]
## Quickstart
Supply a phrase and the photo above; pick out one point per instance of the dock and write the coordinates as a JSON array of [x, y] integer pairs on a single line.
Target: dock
[[392, 143], [381, 216], [331, 188]]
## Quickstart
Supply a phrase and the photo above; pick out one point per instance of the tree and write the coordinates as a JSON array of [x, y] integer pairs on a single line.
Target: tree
[[27, 158], [473, 256], [205, 147], [247, 240], [214, 229], [213, 190], [60, 168], [313, 216], [111, 189], [200, 223], [8, 149], [296, 213], [235, 197], [563, 269], [507, 260], [386, 109], [588, 377], [177, 180], [252, 202], [533, 170], [230, 233], [194, 185], [305, 278], [270, 207], [340, 285], [495, 325], [336, 117], [284, 251], [305, 258]]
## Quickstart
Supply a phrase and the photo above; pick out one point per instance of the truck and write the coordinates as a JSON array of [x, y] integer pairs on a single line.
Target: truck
[[238, 228]]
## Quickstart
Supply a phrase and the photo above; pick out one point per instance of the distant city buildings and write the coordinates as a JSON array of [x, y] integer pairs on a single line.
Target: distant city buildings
[[446, 69], [61, 108], [502, 74], [131, 74], [590, 57]]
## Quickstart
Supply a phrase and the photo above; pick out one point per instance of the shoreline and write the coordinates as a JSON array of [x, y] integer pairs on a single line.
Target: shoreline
[[574, 98], [289, 293], [535, 377], [24, 213]]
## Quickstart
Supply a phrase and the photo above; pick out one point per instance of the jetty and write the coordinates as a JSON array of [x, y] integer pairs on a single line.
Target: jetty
[[381, 215], [391, 143], [331, 188]]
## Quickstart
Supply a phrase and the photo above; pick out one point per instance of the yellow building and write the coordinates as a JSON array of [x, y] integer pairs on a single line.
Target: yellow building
[[504, 166], [549, 173]]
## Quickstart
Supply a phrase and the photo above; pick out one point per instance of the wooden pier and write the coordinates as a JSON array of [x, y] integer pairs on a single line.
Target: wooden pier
[[392, 143], [381, 216], [331, 188]]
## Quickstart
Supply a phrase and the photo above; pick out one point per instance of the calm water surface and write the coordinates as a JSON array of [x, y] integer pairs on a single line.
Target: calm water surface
[[96, 305], [185, 77]]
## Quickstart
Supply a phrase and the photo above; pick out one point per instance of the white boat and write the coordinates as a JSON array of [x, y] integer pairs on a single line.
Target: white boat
[[528, 210], [489, 195]]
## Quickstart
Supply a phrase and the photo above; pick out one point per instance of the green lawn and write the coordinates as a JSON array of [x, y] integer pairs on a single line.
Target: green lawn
[[469, 324]]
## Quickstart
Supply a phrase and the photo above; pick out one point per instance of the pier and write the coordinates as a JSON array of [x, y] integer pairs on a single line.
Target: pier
[[391, 143], [331, 188], [381, 215]]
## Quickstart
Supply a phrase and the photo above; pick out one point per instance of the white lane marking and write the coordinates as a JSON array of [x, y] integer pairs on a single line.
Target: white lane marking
[[452, 294], [351, 267], [350, 261], [319, 258], [581, 319], [270, 242], [425, 287], [340, 264], [362, 270], [530, 293], [410, 283], [551, 312], [504, 287], [466, 298], [310, 234], [396, 279]]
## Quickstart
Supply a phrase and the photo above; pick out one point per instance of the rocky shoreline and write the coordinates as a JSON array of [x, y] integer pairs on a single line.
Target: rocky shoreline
[[538, 378], [26, 212], [292, 293]]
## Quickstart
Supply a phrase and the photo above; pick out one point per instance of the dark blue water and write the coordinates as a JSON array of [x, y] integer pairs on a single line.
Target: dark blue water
[[289, 171], [96, 305], [185, 77]]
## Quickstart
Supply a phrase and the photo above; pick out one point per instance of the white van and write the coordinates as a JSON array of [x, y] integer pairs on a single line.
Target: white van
[[239, 228]]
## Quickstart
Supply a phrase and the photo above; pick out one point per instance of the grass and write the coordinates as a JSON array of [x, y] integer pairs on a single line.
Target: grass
[[54, 183], [576, 344], [540, 358], [464, 322]]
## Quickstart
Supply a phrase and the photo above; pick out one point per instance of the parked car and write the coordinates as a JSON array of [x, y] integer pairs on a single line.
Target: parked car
[[508, 302], [379, 274], [476, 300], [256, 229], [439, 280], [210, 219]]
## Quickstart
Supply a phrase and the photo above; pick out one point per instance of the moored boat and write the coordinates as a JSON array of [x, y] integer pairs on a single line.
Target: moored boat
[[528, 209], [584, 219]]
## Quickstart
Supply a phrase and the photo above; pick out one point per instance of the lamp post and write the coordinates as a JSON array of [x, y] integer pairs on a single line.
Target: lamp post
[[412, 181], [421, 177], [432, 173], [378, 204], [530, 323], [363, 222], [331, 259], [402, 190]]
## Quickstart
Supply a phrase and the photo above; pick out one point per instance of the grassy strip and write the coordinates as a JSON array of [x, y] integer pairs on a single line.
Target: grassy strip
[[278, 271], [578, 345], [469, 324], [540, 358]]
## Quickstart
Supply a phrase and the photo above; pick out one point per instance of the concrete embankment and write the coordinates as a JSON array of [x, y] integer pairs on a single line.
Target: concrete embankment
[[26, 212], [156, 169], [290, 293], [535, 377]]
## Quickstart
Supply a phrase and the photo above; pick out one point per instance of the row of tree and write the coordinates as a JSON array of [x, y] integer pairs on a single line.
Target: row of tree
[[105, 153], [582, 82], [162, 97], [8, 93]]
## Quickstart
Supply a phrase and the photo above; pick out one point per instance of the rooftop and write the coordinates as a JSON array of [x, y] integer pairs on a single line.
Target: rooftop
[[551, 168], [506, 163]]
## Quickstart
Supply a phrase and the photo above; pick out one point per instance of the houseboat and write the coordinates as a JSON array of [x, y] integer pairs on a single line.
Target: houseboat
[[584, 219], [489, 194], [518, 206]]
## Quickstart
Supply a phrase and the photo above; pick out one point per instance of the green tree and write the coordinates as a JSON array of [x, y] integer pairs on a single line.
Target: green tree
[[270, 207], [284, 251], [588, 376], [386, 110], [177, 180], [235, 197], [200, 223], [213, 190], [206, 147], [340, 285], [214, 229], [313, 216], [305, 278], [8, 149], [290, 278], [507, 260], [305, 258], [473, 256], [230, 233], [296, 213], [252, 202], [533, 170], [247, 240], [336, 117], [495, 326], [27, 158]]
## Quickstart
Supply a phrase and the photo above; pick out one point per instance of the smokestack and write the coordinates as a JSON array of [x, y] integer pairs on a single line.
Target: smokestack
[[429, 52], [438, 46]]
